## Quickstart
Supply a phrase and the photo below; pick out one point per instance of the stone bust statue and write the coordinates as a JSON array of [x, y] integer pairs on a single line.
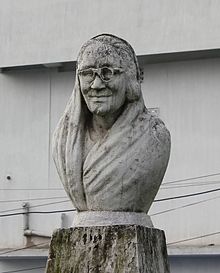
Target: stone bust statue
[[110, 152]]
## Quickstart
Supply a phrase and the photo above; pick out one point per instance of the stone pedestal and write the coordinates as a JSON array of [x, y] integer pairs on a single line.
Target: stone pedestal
[[108, 249]]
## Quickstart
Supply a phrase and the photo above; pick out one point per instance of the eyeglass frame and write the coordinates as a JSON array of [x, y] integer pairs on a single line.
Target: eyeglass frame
[[97, 71]]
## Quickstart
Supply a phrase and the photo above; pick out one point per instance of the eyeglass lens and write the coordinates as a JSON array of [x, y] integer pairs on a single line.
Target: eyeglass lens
[[105, 73]]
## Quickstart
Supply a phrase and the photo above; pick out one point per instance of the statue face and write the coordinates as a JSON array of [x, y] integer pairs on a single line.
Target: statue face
[[102, 80]]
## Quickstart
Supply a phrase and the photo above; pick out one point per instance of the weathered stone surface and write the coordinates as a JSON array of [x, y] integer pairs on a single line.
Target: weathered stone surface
[[110, 152], [112, 249], [111, 218]]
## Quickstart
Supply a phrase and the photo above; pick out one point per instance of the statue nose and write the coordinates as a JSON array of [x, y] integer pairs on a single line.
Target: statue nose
[[98, 83]]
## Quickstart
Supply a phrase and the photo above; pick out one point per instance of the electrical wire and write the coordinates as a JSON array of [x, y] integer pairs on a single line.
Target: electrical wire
[[32, 199], [205, 183], [186, 185], [191, 178], [30, 189], [168, 244], [25, 269], [165, 183], [65, 201], [36, 212], [194, 238], [35, 206], [22, 248], [61, 197], [186, 195], [157, 200], [187, 205]]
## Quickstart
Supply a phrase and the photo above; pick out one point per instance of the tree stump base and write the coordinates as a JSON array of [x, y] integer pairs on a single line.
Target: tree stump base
[[108, 249]]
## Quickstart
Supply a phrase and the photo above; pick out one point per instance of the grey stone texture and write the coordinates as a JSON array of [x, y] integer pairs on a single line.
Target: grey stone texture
[[111, 155], [110, 152], [110, 218], [109, 249]]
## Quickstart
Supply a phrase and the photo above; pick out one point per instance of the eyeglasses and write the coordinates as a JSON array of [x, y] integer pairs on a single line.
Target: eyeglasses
[[105, 73]]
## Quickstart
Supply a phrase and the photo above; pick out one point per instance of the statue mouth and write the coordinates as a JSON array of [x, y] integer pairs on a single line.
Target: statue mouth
[[100, 94], [99, 99]]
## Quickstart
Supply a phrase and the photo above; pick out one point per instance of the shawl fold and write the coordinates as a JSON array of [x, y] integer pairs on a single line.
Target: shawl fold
[[122, 171]]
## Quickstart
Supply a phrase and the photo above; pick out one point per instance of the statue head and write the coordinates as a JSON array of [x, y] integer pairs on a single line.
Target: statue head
[[108, 74]]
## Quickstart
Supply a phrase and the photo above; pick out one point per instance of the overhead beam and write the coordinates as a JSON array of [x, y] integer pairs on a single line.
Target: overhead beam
[[63, 66]]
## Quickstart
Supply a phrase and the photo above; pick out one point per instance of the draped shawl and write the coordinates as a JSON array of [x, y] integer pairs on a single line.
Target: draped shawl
[[123, 170]]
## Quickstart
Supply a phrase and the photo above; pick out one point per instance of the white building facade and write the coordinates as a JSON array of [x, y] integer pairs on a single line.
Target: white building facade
[[178, 47]]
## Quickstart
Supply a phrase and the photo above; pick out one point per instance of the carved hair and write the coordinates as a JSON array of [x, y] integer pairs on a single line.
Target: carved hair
[[129, 60]]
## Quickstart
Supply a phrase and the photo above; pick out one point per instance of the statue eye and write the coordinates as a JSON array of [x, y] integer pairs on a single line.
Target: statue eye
[[106, 73], [87, 73]]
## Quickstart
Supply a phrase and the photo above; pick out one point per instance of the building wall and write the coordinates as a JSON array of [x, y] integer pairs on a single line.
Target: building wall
[[181, 264], [194, 264], [45, 31], [30, 265], [31, 103], [187, 96]]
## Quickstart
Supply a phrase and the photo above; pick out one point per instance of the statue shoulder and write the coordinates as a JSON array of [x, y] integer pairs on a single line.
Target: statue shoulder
[[159, 129]]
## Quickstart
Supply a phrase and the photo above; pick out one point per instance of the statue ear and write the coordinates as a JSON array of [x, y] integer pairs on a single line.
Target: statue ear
[[133, 89]]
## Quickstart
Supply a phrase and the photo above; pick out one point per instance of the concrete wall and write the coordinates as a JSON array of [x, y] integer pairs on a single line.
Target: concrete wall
[[31, 103], [187, 96], [181, 264], [45, 31], [28, 265], [185, 93], [194, 264]]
